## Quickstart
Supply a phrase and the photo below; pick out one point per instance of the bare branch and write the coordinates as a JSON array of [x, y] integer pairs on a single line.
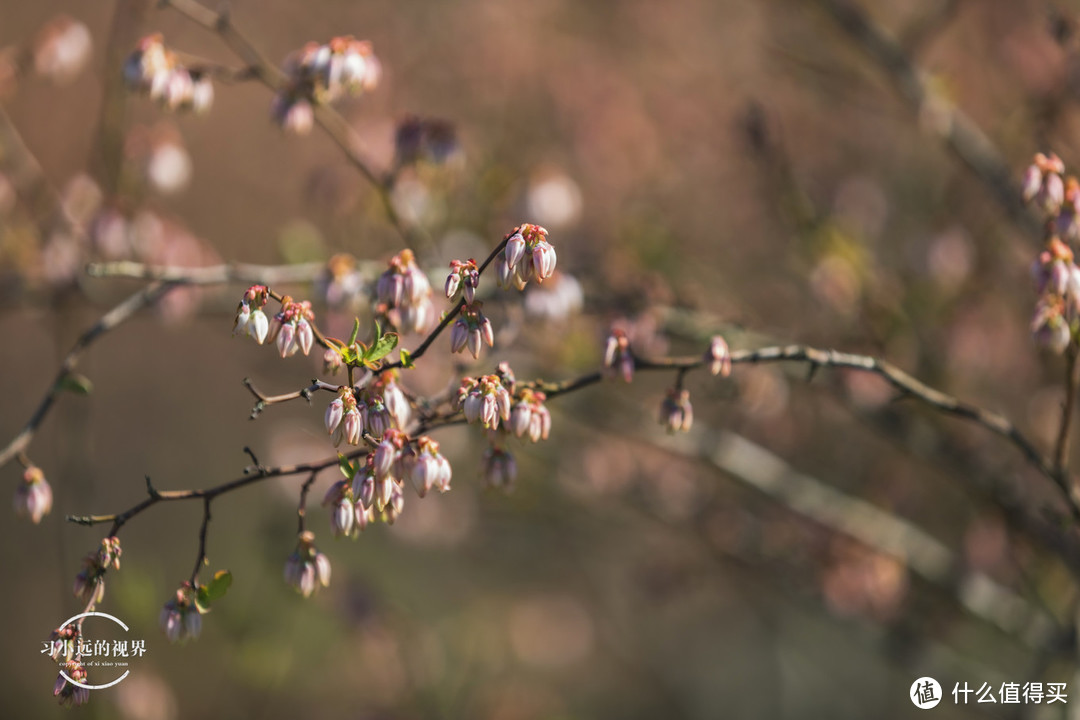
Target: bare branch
[[109, 321]]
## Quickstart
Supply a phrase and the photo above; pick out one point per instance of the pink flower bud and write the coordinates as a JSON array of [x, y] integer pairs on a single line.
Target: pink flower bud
[[33, 497], [353, 427], [474, 341], [486, 331], [286, 341], [258, 326], [334, 414], [459, 335], [718, 357], [453, 284], [305, 336], [515, 250], [386, 454]]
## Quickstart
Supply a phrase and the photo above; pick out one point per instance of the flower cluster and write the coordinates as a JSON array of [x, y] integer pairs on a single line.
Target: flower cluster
[[618, 356], [529, 417], [471, 329], [89, 584], [676, 413], [379, 407], [426, 467], [348, 518], [1056, 320], [62, 49], [68, 693], [1057, 281], [527, 255], [1043, 184], [154, 69], [342, 285], [33, 496], [250, 318], [180, 618], [307, 568], [484, 399], [718, 357], [555, 300], [292, 327], [430, 139], [462, 281], [319, 74], [404, 294], [499, 468], [383, 495]]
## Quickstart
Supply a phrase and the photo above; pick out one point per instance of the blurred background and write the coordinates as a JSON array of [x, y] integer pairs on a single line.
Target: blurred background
[[802, 171]]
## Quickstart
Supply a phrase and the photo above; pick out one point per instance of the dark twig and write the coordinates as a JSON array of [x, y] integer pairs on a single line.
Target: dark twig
[[301, 508], [1061, 447], [906, 384], [109, 321], [201, 559]]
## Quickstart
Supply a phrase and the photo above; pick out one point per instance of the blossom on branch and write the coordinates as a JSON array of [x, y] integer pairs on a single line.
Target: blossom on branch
[[33, 496]]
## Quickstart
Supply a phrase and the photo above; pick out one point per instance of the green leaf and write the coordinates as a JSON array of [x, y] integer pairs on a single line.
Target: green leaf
[[356, 330], [76, 383], [347, 468], [202, 600], [406, 359], [219, 585], [381, 347]]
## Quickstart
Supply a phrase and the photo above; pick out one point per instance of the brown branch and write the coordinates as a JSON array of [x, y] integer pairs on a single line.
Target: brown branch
[[906, 384], [449, 317], [1061, 447], [109, 321], [263, 400], [118, 520], [212, 275], [335, 126], [301, 508], [201, 559], [959, 133]]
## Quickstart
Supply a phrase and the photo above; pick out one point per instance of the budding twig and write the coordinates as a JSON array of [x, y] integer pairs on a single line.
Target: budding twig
[[335, 126], [906, 384]]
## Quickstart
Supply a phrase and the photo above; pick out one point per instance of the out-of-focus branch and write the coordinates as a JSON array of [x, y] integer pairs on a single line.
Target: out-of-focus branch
[[927, 27], [951, 125], [1061, 447], [212, 275], [335, 126], [109, 321], [872, 526]]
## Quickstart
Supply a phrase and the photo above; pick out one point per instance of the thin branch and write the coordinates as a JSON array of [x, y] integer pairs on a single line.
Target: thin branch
[[301, 508], [906, 384], [212, 275], [960, 134], [109, 321], [263, 400], [201, 559], [118, 520], [449, 317], [1061, 447], [335, 126]]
